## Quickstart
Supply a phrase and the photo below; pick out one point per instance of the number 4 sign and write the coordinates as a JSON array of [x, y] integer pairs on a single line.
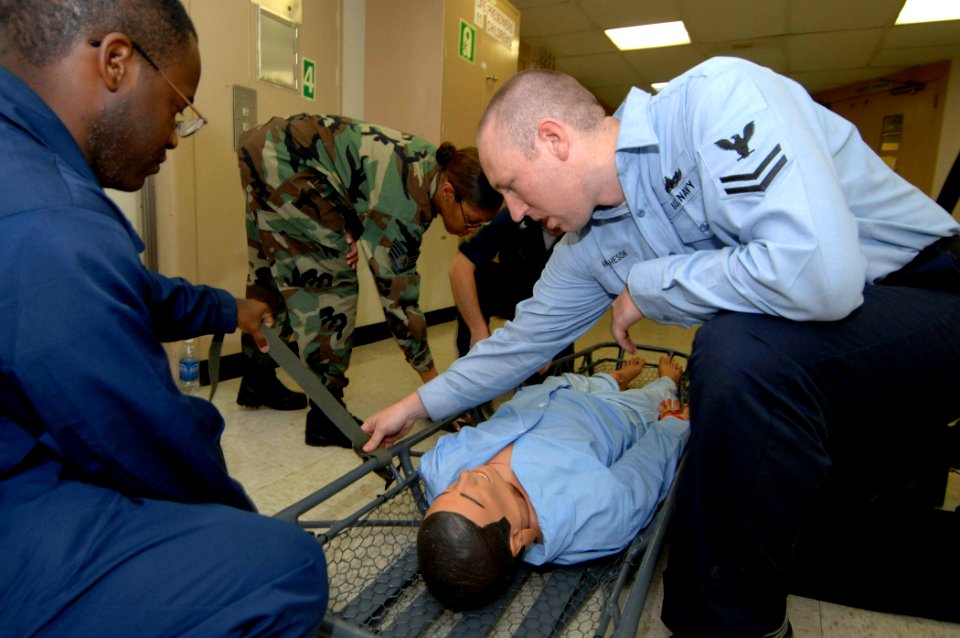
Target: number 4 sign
[[308, 79]]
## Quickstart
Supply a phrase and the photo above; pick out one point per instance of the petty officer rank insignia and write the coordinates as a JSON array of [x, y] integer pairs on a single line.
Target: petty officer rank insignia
[[745, 162]]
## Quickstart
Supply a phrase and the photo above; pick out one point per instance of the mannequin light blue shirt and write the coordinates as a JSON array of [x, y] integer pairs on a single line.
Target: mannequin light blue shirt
[[594, 461]]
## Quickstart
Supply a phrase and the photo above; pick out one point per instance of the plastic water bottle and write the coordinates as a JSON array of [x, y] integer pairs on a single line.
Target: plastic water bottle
[[189, 376]]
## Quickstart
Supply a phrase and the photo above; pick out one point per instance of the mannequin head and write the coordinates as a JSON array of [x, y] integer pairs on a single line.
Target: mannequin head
[[472, 539]]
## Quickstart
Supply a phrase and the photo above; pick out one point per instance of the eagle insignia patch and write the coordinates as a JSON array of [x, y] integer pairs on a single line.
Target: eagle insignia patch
[[761, 172], [738, 143], [669, 183]]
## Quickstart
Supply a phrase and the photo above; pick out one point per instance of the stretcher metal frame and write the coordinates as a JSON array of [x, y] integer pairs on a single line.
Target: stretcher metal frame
[[547, 601]]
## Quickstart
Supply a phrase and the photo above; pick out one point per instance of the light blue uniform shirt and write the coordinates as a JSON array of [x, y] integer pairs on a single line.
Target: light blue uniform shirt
[[742, 194], [595, 461]]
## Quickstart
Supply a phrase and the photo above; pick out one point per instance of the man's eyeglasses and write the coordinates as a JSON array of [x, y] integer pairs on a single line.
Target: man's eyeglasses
[[185, 128]]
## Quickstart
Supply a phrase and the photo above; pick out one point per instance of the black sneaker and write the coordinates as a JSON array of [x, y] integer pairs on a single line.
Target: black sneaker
[[261, 387], [321, 431]]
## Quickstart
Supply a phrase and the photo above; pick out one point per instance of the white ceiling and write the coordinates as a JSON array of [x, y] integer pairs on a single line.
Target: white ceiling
[[820, 43]]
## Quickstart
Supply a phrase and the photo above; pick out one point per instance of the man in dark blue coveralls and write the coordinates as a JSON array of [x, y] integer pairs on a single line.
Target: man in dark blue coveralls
[[117, 515]]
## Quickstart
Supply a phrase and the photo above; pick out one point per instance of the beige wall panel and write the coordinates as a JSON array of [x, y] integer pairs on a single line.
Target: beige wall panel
[[922, 112], [468, 87], [403, 58], [403, 84], [416, 82], [402, 91]]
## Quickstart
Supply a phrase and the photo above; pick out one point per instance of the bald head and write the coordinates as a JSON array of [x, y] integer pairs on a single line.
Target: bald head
[[532, 95], [42, 35]]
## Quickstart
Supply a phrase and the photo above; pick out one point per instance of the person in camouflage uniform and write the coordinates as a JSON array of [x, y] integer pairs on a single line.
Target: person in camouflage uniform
[[315, 185]]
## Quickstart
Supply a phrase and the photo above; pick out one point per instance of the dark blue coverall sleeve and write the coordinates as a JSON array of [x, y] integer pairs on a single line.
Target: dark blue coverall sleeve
[[86, 321]]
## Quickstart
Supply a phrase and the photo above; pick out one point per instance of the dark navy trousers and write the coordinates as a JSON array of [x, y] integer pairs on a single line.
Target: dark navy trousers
[[79, 561], [794, 424]]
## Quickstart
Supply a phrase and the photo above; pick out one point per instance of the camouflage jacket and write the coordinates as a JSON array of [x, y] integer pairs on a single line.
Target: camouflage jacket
[[345, 174]]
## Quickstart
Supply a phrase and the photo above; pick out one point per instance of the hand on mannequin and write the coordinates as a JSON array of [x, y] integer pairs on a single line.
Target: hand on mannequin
[[389, 425]]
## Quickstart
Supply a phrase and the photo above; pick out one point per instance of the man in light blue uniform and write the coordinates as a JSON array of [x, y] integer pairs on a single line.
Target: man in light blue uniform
[[731, 198], [117, 514]]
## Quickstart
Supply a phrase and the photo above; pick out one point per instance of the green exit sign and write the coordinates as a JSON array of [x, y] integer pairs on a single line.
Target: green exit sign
[[468, 41]]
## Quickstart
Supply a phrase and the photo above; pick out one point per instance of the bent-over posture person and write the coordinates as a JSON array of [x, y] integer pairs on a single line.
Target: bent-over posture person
[[572, 470], [315, 185]]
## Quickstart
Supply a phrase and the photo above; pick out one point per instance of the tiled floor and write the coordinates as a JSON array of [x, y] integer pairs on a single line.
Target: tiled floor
[[265, 451]]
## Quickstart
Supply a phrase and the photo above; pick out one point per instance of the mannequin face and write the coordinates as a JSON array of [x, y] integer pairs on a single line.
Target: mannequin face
[[484, 497]]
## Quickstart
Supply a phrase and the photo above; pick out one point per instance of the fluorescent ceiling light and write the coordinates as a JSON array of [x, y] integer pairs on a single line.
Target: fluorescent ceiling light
[[649, 36], [657, 86], [928, 11]]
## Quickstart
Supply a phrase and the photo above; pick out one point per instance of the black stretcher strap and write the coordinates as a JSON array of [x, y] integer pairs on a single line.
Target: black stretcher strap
[[310, 384], [417, 618], [375, 597], [480, 622], [314, 389]]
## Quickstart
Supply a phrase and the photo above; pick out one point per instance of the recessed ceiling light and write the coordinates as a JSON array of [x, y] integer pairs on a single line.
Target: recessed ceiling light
[[928, 11], [657, 86], [649, 36]]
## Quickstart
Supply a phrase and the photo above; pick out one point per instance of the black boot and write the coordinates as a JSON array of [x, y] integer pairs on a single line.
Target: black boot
[[260, 386], [321, 431]]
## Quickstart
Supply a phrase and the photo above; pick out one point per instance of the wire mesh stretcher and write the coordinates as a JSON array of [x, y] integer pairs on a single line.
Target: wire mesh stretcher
[[375, 588]]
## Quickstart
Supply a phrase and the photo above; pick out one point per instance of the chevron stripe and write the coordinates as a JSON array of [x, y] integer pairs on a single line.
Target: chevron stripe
[[754, 175], [762, 186]]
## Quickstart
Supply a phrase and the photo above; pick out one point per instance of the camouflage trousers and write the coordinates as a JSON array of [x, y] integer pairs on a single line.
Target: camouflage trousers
[[298, 267]]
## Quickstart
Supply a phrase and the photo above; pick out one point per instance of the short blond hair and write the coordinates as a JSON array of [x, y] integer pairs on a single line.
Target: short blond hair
[[534, 94]]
